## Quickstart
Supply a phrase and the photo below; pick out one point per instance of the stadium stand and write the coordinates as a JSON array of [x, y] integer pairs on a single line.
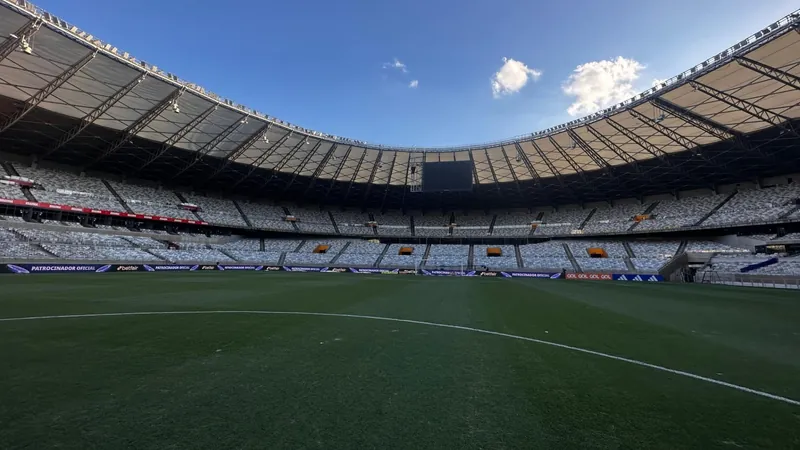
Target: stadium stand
[[511, 224], [446, 255], [475, 224], [11, 191], [756, 205], [712, 247], [217, 211], [506, 259], [393, 224], [195, 255], [670, 214], [147, 200], [267, 217], [562, 222], [313, 221], [64, 188], [353, 223], [548, 255], [613, 219], [432, 226]]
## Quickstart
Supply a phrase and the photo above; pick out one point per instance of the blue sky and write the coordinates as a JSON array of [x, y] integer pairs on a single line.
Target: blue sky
[[331, 66]]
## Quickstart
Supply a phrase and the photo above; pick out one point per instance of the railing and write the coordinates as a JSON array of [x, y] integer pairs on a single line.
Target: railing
[[755, 40], [748, 280]]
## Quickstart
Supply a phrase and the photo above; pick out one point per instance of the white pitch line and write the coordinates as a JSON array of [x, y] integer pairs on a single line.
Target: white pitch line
[[432, 324]]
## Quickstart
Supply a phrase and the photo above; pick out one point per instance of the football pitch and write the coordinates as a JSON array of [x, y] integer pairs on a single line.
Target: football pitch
[[258, 360]]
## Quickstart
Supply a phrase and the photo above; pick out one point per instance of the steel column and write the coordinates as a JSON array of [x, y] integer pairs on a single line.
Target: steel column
[[641, 142], [95, 114], [45, 92], [598, 160], [677, 138], [768, 71], [137, 126], [711, 127], [177, 136], [210, 146]]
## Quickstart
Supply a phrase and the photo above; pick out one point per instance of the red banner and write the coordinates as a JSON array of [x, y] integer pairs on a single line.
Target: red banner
[[102, 212], [589, 276]]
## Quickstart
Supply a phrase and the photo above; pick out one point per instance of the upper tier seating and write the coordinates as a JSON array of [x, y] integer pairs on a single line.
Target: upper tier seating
[[613, 220], [148, 200], [513, 224], [393, 224], [432, 226], [268, 217], [69, 189], [474, 224], [562, 222], [217, 211], [365, 247], [685, 212], [241, 244], [756, 205], [72, 237], [353, 223], [11, 191], [313, 221]]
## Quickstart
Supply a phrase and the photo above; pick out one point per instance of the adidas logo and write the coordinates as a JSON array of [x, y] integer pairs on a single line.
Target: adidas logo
[[637, 278]]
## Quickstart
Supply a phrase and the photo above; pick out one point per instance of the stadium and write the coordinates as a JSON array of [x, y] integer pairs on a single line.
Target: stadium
[[624, 280]]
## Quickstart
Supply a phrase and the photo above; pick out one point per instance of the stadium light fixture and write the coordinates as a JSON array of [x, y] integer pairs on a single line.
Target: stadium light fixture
[[24, 45], [175, 107]]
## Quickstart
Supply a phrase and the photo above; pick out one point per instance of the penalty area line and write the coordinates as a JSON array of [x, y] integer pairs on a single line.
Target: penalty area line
[[432, 324]]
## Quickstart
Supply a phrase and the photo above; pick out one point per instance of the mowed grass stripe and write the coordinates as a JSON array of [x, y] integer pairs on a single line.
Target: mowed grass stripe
[[158, 381]]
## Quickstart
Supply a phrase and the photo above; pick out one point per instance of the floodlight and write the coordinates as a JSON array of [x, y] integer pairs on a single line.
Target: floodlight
[[25, 46], [175, 107]]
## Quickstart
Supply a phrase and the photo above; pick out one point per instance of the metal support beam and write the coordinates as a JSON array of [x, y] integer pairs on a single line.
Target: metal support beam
[[623, 155], [95, 114], [378, 164], [534, 173], [675, 137], [752, 109], [513, 174], [598, 160], [575, 166], [305, 161], [548, 163], [177, 136], [25, 31], [641, 142], [355, 174], [711, 127], [288, 157], [45, 92], [491, 169], [768, 71], [335, 174], [389, 181], [240, 149], [262, 158], [138, 125], [210, 146]]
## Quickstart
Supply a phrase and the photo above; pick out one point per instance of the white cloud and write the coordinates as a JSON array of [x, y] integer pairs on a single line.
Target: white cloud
[[396, 64], [512, 77], [599, 84], [413, 84]]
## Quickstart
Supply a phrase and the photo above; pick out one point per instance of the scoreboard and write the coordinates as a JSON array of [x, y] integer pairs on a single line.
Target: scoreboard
[[451, 176]]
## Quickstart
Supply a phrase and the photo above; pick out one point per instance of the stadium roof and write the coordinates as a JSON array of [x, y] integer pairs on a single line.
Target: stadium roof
[[78, 101]]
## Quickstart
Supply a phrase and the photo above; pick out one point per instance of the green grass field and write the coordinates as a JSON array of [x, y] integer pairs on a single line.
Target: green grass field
[[248, 381]]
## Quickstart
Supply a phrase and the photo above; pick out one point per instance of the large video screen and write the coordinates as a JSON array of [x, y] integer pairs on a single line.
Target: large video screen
[[447, 176]]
